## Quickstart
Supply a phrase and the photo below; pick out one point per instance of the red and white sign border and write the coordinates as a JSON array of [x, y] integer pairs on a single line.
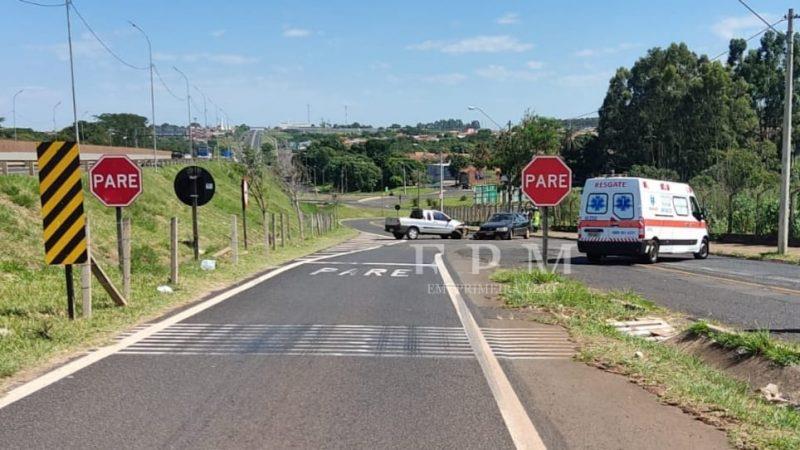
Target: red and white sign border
[[138, 170], [568, 191]]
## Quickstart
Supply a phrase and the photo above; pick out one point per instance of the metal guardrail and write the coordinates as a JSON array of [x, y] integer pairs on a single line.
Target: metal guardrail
[[30, 167]]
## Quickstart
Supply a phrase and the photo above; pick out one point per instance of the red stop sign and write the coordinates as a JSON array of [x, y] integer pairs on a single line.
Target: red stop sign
[[546, 180], [115, 180]]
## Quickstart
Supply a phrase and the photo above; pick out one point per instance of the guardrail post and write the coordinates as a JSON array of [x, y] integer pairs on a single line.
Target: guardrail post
[[273, 236], [126, 258], [234, 240], [31, 169], [173, 250], [283, 230], [4, 167]]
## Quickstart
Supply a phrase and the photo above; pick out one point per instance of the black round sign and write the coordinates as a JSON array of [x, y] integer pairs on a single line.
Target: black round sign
[[194, 183]]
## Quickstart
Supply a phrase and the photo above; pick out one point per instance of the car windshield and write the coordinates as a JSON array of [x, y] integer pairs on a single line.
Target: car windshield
[[501, 218]]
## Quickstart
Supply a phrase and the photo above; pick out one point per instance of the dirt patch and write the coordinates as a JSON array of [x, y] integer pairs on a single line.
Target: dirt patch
[[756, 371]]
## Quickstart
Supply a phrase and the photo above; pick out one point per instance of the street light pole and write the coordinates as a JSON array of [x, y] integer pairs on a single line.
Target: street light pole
[[14, 111], [188, 110], [441, 179], [152, 93], [54, 115], [786, 148], [476, 108], [205, 110]]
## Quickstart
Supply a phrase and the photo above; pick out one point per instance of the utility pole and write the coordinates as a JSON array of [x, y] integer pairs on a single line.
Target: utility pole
[[152, 94], [54, 116], [188, 111], [14, 100], [441, 179], [786, 147]]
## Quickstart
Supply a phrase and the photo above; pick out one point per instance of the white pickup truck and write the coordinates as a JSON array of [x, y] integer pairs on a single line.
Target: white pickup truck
[[425, 221]]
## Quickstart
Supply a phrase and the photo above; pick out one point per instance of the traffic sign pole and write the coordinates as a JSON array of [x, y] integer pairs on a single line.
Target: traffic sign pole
[[70, 292], [119, 235], [545, 228]]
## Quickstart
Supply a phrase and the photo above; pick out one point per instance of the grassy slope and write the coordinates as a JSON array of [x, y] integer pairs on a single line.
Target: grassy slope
[[678, 378], [32, 295]]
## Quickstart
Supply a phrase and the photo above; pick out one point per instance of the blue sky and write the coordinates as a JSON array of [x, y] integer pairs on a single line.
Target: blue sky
[[391, 62]]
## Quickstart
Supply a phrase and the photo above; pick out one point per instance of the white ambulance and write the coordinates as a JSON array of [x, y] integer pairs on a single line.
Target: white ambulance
[[640, 217]]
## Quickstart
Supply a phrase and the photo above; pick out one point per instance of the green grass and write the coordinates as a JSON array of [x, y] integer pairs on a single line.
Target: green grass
[[678, 378], [32, 295], [758, 343]]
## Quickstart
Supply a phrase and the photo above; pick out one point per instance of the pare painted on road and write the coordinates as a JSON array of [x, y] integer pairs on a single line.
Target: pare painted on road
[[368, 272]]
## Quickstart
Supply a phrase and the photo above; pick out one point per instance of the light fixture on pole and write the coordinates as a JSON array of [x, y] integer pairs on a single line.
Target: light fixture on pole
[[152, 92], [188, 110], [14, 111], [54, 115], [476, 108]]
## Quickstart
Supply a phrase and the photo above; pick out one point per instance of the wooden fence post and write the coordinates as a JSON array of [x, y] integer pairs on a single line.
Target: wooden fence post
[[266, 233], [274, 236], [234, 240], [283, 230], [4, 167], [126, 259], [173, 250], [86, 276]]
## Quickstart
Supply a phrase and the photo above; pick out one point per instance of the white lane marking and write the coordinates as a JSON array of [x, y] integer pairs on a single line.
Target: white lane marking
[[519, 425], [85, 361], [373, 264]]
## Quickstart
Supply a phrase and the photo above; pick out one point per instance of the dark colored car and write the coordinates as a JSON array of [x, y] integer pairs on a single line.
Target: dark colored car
[[505, 226]]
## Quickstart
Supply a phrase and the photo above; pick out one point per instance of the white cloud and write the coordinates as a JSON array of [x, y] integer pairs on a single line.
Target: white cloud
[[228, 59], [534, 65], [217, 33], [508, 19], [591, 52], [502, 73], [296, 33], [445, 78], [477, 44], [380, 65], [730, 27], [585, 79]]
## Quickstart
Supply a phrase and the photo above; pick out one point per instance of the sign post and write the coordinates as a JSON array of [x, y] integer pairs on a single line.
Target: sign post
[[546, 181], [245, 202], [63, 218], [116, 181], [194, 186]]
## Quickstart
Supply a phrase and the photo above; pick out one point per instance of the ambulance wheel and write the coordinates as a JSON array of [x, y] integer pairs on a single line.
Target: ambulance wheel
[[594, 258], [651, 257], [412, 233], [703, 253]]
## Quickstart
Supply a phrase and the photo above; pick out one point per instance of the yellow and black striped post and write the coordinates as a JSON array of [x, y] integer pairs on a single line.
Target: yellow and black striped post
[[63, 218]]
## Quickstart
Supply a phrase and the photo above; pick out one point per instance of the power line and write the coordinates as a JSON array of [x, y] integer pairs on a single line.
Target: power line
[[750, 38], [758, 15], [46, 5], [158, 75], [106, 47]]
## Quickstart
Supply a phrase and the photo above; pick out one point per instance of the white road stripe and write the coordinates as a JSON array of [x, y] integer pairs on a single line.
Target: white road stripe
[[104, 352], [519, 425]]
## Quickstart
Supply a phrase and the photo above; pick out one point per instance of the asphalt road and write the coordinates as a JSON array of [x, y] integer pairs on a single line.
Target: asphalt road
[[347, 349], [739, 292]]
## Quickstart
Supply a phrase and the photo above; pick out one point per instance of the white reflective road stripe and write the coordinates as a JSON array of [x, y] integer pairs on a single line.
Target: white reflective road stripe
[[519, 425]]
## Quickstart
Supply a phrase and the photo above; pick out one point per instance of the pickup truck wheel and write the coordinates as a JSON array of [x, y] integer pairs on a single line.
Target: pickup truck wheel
[[412, 233], [703, 253], [456, 235], [398, 235]]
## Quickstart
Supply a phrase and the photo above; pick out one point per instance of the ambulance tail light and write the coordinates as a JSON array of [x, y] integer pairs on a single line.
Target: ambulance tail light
[[640, 226]]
